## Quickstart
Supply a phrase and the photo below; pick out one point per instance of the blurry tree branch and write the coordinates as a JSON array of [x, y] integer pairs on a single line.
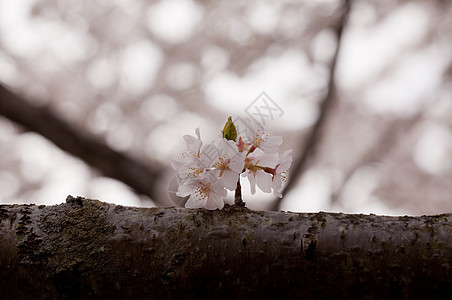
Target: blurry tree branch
[[140, 177], [312, 141], [390, 136]]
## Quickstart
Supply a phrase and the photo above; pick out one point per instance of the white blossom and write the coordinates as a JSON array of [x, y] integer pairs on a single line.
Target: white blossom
[[190, 164], [255, 164], [261, 139], [229, 163], [205, 173], [205, 192], [280, 172]]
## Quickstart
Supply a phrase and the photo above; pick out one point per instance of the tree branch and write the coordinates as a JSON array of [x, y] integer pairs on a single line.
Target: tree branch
[[88, 148], [388, 139], [90, 249], [313, 139]]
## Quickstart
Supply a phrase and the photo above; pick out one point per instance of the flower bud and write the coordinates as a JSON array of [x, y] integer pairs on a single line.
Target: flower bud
[[229, 130]]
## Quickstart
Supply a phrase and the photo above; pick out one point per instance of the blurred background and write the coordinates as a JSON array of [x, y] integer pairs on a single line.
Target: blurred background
[[364, 90]]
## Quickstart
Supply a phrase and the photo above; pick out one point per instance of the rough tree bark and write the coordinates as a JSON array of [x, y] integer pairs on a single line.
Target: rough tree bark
[[90, 249]]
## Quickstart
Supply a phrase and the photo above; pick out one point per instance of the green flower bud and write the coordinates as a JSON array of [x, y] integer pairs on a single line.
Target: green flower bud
[[229, 130]]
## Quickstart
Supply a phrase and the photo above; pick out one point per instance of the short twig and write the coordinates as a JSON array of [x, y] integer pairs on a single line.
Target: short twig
[[238, 195]]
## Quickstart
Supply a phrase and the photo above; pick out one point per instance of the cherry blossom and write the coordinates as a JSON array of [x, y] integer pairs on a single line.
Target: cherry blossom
[[206, 172], [229, 163], [190, 164], [205, 192], [255, 164], [193, 144], [260, 138], [279, 173]]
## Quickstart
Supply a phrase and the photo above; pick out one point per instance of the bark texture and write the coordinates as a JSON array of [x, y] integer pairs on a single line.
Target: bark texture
[[86, 249]]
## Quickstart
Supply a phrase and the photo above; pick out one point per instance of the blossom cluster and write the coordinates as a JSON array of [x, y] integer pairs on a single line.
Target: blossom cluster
[[204, 176]]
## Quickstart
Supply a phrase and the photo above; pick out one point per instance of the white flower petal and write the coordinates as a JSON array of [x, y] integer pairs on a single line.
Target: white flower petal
[[227, 147], [237, 162], [184, 190], [193, 144], [218, 189], [285, 162], [195, 202], [210, 177], [268, 160], [229, 180], [271, 144], [190, 203], [214, 202], [252, 181], [264, 181], [277, 186]]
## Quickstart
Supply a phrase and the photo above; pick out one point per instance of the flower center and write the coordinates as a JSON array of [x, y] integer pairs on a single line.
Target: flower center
[[195, 172], [202, 192], [260, 138]]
